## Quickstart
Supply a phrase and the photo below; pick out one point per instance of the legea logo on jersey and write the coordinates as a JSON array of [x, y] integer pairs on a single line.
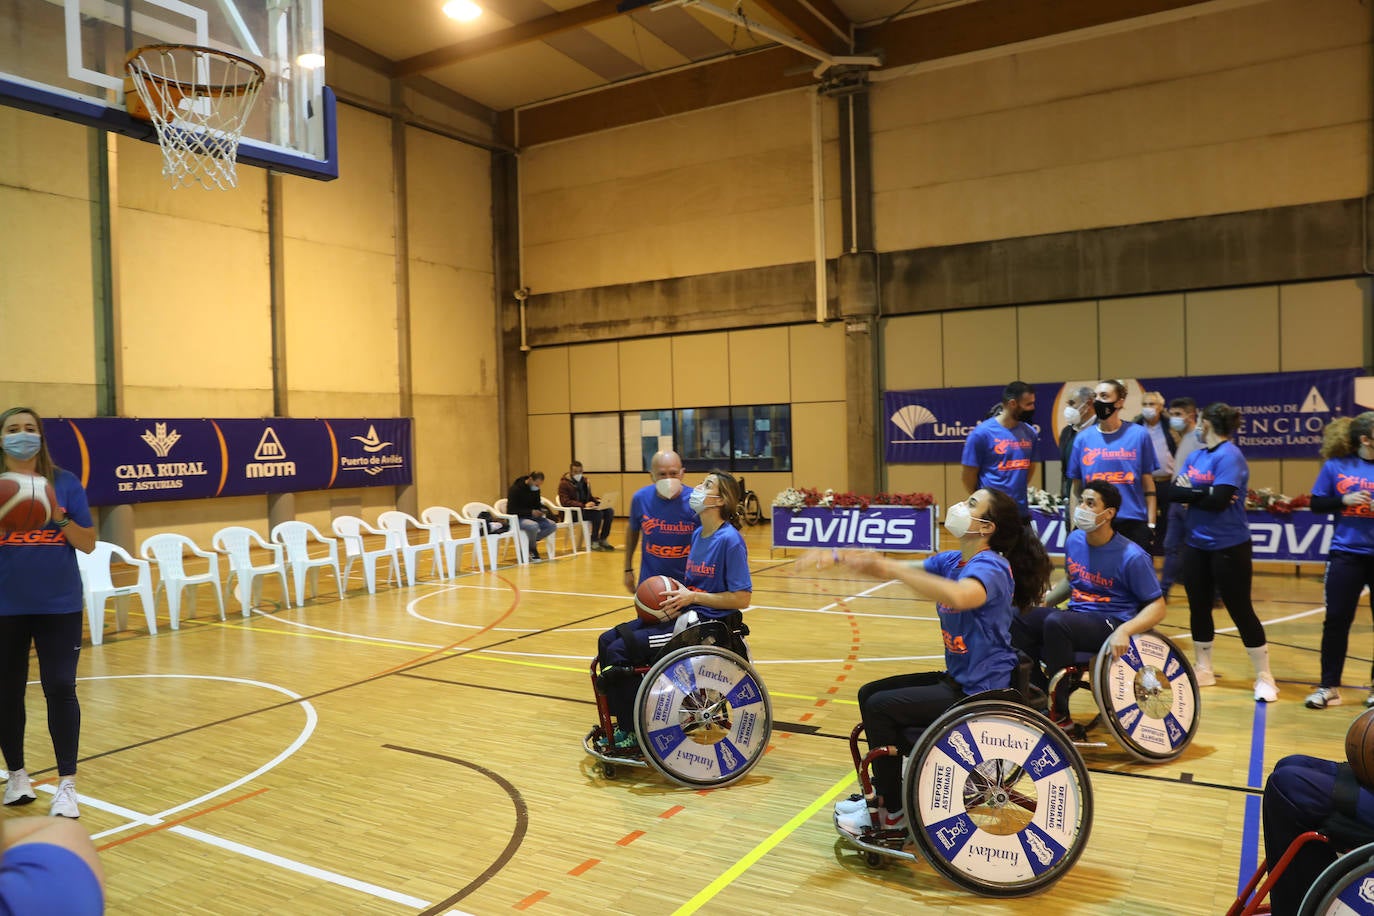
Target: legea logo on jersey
[[269, 458]]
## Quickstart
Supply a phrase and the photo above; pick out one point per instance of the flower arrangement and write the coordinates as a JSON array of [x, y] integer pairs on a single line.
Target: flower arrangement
[[1275, 503], [796, 498], [1044, 500]]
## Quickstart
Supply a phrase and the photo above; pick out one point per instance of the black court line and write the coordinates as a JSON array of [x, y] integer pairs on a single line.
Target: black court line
[[522, 824]]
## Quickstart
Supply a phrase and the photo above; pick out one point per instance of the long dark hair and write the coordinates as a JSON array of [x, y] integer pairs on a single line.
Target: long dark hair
[[1224, 418], [1030, 564]]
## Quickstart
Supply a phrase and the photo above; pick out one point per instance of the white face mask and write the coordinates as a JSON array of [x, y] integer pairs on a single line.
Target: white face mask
[[1071, 415], [668, 487], [698, 499], [577, 477], [959, 519], [1086, 519], [1149, 413]]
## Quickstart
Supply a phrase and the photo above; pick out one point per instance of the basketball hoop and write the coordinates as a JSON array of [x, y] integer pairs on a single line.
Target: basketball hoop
[[198, 99]]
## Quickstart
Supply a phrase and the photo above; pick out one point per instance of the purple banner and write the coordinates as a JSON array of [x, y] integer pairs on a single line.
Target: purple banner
[[1283, 412], [1302, 537], [122, 460], [898, 529]]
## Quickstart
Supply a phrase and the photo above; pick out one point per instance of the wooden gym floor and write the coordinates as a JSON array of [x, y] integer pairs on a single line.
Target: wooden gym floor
[[421, 751]]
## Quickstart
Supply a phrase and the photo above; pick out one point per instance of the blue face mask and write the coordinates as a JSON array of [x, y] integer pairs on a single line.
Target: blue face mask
[[534, 487], [22, 446], [698, 499], [1178, 424]]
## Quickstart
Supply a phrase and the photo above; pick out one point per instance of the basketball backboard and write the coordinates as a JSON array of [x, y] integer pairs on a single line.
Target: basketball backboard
[[65, 58]]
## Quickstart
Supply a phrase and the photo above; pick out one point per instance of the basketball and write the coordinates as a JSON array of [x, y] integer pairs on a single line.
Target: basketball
[[26, 501], [1359, 748], [649, 598]]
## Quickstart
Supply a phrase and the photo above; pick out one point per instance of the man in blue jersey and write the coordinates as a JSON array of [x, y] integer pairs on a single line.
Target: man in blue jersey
[[1112, 592], [1119, 453], [999, 452], [661, 514]]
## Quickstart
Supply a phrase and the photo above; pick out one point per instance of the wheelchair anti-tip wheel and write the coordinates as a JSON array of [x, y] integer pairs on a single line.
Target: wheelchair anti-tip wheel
[[1345, 888], [1149, 698], [703, 716], [998, 798]]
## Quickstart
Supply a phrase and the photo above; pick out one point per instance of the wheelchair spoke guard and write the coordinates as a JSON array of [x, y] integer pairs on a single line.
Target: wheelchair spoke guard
[[1345, 888], [1149, 697], [998, 799], [703, 716]]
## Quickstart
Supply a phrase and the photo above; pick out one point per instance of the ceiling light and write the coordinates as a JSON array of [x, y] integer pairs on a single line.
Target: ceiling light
[[462, 10], [310, 61]]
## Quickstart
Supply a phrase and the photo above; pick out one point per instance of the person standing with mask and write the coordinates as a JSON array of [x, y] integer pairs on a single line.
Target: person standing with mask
[[40, 606], [1152, 419], [1183, 424], [1218, 554], [661, 514], [999, 452], [717, 583], [1078, 416], [1118, 453]]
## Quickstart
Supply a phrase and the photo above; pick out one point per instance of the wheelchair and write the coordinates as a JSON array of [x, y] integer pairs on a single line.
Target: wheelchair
[[702, 716], [1148, 699], [1346, 886], [997, 798]]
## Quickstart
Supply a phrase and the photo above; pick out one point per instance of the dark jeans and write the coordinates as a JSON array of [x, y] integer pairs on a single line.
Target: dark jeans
[[1164, 488], [601, 522], [1053, 636], [1228, 572], [536, 529], [895, 711], [1135, 529], [1346, 576], [613, 652], [1175, 531], [57, 637]]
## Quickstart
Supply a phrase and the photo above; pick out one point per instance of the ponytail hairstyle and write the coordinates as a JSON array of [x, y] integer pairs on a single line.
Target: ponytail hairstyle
[[731, 497], [1342, 436], [1224, 418], [1030, 564]]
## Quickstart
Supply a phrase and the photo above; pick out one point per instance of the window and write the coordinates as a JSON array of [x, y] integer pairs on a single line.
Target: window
[[750, 438], [596, 441], [703, 435], [646, 432], [762, 437]]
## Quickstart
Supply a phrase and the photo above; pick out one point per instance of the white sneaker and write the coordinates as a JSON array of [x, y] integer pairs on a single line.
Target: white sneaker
[[1266, 691], [856, 822], [1323, 697], [64, 800], [1369, 700], [851, 804], [1204, 677], [19, 789]]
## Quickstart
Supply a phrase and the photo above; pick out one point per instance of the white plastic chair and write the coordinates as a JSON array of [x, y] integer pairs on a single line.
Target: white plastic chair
[[522, 541], [568, 524], [351, 530], [238, 543], [296, 537], [97, 587], [439, 520], [398, 524], [471, 514], [575, 515], [168, 552]]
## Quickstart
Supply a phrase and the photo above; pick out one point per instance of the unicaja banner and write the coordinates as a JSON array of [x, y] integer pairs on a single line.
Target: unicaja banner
[[1283, 413], [121, 460], [897, 529]]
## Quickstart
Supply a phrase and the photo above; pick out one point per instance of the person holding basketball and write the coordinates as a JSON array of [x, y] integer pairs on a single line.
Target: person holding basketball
[[1000, 567], [40, 606], [716, 583]]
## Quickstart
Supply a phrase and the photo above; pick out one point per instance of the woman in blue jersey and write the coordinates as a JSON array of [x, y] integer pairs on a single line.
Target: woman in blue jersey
[[717, 583], [40, 605], [1000, 567], [1345, 488], [1217, 554]]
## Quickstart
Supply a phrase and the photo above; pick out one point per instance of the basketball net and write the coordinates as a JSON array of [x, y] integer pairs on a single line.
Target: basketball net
[[198, 100]]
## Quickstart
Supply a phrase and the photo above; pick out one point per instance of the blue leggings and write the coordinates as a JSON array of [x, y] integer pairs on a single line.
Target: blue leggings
[[57, 638]]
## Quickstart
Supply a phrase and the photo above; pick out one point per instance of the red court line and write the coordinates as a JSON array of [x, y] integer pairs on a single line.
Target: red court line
[[671, 811], [451, 646], [832, 690], [180, 820], [629, 838], [805, 716], [531, 900], [821, 702], [585, 866]]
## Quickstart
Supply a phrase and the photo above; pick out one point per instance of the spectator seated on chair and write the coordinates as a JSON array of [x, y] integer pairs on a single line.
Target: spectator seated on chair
[[575, 491], [718, 583], [1112, 592], [522, 500]]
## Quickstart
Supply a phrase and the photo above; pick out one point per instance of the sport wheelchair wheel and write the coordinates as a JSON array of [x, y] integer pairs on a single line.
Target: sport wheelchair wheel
[[703, 716], [998, 798], [1345, 888], [1149, 697]]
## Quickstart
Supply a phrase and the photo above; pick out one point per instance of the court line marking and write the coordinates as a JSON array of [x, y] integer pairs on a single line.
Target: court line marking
[[1286, 619], [156, 828], [726, 878]]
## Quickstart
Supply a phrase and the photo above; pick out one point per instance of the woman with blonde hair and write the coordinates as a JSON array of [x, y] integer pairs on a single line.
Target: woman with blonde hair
[[1344, 488]]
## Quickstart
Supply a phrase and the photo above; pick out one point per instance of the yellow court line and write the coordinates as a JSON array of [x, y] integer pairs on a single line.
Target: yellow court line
[[479, 654], [802, 696], [759, 851]]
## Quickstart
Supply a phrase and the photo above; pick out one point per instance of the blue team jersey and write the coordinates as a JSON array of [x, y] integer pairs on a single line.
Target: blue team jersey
[[38, 571], [978, 652], [1116, 579], [1355, 524], [666, 526], [1125, 457], [1003, 458], [1210, 529], [718, 563]]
